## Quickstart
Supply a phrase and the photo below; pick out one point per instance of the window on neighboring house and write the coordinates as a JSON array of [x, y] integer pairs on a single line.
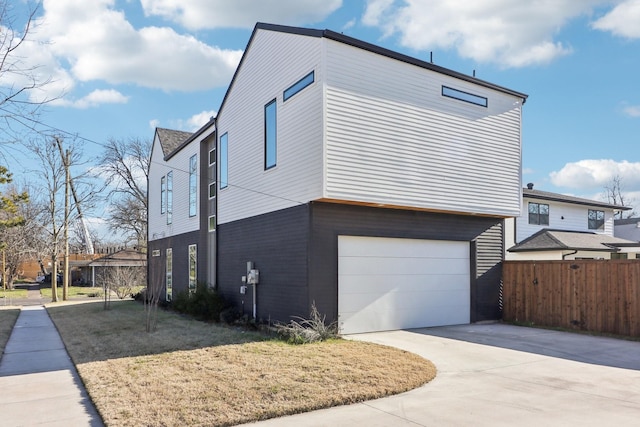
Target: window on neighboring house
[[169, 274], [212, 190], [170, 197], [212, 223], [193, 260], [464, 96], [538, 214], [212, 157], [193, 185], [163, 194], [270, 135], [596, 219], [298, 86], [224, 160]]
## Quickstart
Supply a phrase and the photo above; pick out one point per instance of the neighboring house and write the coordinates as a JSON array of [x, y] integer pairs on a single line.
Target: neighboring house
[[628, 228], [99, 269], [370, 183], [556, 226]]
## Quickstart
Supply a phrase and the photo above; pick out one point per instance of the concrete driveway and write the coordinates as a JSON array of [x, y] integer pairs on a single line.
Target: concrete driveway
[[499, 375]]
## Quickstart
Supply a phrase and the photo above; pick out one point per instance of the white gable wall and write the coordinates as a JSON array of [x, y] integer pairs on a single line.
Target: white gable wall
[[562, 216], [274, 62], [392, 138], [179, 164]]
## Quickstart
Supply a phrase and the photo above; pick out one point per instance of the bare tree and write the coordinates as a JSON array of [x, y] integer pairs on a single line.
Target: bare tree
[[21, 242], [51, 171], [21, 94], [123, 279], [614, 191], [125, 164]]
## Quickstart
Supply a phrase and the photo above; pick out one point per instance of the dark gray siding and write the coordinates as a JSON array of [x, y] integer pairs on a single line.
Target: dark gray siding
[[488, 274], [331, 220], [180, 247], [296, 251], [277, 244]]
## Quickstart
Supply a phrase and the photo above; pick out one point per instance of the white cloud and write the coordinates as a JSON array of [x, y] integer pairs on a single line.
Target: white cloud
[[100, 44], [198, 14], [194, 122], [632, 110], [527, 171], [96, 43], [154, 123], [623, 20], [94, 99], [586, 174], [506, 32]]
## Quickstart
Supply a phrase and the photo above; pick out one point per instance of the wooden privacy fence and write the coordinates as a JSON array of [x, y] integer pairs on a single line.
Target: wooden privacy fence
[[592, 295]]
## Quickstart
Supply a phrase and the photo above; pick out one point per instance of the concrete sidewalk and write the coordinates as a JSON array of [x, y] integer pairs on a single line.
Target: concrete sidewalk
[[39, 383]]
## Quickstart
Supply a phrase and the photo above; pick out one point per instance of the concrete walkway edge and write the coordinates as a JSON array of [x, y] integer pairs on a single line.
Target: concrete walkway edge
[[40, 385]]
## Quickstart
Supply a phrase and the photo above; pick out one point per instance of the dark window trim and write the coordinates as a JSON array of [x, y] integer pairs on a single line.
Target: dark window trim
[[464, 96], [170, 197], [267, 141], [598, 223], [224, 160], [299, 85], [163, 195], [537, 214], [193, 185]]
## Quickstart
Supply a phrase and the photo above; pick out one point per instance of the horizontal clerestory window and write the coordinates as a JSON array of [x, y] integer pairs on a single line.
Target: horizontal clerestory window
[[464, 96]]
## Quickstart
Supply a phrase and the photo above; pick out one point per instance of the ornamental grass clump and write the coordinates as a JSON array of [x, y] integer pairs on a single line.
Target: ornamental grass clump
[[304, 331]]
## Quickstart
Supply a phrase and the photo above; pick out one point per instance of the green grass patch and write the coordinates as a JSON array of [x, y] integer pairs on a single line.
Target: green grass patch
[[74, 292], [13, 293], [8, 317]]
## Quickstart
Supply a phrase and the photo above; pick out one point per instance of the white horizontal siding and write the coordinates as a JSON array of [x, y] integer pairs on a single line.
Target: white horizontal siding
[[391, 138], [274, 62], [179, 164], [562, 216]]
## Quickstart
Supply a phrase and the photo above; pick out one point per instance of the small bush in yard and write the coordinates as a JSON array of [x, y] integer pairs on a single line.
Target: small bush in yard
[[303, 331], [203, 304]]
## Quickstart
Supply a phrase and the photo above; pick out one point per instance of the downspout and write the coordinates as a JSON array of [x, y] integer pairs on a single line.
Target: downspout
[[572, 253]]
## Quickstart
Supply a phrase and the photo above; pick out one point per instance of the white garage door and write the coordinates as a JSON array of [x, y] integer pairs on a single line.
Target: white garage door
[[386, 284]]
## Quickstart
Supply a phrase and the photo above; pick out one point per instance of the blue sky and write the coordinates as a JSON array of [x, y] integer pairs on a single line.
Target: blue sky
[[122, 67]]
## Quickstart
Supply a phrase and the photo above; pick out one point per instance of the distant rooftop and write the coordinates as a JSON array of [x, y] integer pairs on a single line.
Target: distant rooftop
[[557, 197], [552, 240]]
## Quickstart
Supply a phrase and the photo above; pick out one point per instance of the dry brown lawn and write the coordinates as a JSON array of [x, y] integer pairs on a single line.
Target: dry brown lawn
[[198, 374], [8, 317]]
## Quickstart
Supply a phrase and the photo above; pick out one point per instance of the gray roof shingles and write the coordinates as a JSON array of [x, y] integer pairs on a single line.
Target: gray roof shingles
[[170, 139], [550, 240]]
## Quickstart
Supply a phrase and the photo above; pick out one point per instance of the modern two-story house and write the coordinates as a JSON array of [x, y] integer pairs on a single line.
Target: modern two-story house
[[556, 226], [369, 183]]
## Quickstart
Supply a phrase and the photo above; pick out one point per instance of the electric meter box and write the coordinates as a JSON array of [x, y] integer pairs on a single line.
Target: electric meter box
[[253, 278]]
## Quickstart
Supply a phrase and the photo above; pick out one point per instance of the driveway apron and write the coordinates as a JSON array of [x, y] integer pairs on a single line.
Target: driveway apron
[[502, 375]]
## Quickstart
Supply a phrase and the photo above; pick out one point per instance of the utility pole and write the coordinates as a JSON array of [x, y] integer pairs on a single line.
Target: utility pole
[[67, 182]]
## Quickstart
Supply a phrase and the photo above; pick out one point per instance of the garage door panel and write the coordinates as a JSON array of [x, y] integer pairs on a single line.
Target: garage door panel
[[388, 283], [410, 283], [401, 266], [403, 301], [381, 246]]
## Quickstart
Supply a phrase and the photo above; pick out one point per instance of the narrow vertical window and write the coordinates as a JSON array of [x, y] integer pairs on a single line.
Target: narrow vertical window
[[270, 135], [212, 223], [169, 274], [170, 197], [212, 157], [163, 195], [224, 160], [193, 255], [193, 185]]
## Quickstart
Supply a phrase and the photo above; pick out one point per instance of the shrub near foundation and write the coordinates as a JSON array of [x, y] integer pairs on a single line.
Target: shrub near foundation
[[203, 304]]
